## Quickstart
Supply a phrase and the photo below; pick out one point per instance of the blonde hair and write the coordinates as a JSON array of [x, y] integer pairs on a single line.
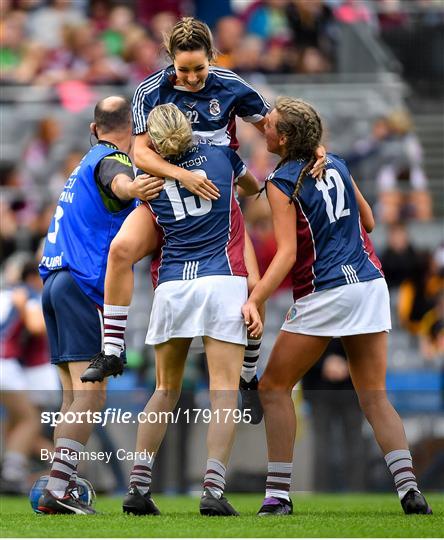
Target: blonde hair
[[190, 34], [169, 130], [302, 126]]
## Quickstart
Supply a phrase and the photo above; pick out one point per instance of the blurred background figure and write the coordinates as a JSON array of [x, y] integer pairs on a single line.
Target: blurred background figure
[[339, 445], [28, 381]]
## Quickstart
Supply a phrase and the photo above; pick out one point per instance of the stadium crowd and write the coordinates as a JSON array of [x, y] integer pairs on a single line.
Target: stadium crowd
[[73, 46], [47, 43]]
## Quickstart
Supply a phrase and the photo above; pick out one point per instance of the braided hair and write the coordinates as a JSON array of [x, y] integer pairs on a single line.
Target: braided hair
[[302, 126], [190, 34]]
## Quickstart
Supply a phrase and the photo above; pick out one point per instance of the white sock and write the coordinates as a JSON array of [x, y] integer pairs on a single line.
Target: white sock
[[400, 465], [114, 320], [278, 480], [214, 479]]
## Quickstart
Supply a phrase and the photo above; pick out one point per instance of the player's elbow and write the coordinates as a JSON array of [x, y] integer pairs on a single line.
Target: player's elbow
[[368, 223]]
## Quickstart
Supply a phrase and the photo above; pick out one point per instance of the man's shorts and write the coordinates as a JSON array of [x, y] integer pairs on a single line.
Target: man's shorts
[[358, 308], [206, 306], [74, 323]]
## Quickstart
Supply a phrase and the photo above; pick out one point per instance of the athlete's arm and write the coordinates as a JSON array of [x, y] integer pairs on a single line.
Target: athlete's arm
[[284, 224], [249, 184], [260, 125], [33, 318], [318, 168], [143, 187], [30, 311], [150, 162], [367, 219]]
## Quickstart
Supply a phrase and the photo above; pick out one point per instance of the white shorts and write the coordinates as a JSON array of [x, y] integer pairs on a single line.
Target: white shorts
[[358, 308], [41, 382], [207, 306]]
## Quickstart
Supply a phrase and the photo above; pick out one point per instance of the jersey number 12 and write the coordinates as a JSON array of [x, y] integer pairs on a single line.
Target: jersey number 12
[[333, 180]]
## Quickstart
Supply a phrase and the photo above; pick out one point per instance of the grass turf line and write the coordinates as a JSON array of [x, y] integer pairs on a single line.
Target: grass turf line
[[315, 516]]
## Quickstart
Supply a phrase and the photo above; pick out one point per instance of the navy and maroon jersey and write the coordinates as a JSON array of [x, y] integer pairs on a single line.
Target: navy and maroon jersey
[[11, 327], [201, 238], [15, 341], [211, 111], [333, 248]]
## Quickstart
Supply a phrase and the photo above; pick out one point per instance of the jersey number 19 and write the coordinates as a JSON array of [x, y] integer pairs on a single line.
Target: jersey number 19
[[187, 205]]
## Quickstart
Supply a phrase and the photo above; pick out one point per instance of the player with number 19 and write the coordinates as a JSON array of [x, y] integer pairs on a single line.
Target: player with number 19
[[200, 286]]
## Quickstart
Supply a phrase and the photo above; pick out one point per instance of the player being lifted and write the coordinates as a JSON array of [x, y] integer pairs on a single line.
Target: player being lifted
[[339, 290], [211, 98], [200, 287]]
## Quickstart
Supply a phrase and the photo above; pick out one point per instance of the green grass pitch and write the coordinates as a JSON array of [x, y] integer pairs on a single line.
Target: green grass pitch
[[315, 516]]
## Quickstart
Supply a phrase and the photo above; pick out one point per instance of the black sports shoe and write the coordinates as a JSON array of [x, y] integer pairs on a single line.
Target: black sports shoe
[[250, 399], [414, 502], [101, 366], [212, 506], [138, 504], [68, 504], [275, 506]]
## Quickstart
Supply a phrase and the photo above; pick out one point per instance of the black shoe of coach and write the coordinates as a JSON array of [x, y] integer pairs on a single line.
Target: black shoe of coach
[[102, 366]]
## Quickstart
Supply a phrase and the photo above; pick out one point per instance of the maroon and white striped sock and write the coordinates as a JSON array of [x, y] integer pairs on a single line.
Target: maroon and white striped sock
[[64, 465], [400, 465], [114, 320], [214, 479], [141, 474], [278, 480], [251, 356]]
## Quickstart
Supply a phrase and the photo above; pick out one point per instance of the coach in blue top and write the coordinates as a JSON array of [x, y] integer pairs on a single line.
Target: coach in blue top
[[96, 199], [339, 291]]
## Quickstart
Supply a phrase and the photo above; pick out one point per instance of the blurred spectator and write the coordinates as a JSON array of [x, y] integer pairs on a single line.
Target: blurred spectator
[[249, 57], [98, 13], [391, 15], [313, 34], [142, 54], [20, 58], [46, 23], [162, 24], [417, 294], [147, 11], [401, 179], [339, 445], [399, 256], [28, 379], [431, 331], [228, 38], [121, 23], [267, 19]]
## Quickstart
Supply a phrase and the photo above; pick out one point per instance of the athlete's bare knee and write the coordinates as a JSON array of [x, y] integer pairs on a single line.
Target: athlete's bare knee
[[93, 400], [120, 252], [372, 401], [167, 395], [271, 388]]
